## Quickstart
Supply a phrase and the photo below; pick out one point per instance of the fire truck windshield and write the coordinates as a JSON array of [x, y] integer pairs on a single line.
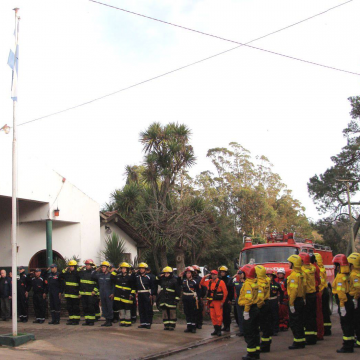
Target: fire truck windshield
[[267, 254]]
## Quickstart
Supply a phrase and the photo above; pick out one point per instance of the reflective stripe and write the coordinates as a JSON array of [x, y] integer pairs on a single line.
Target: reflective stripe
[[273, 298], [114, 273], [310, 333], [122, 287], [89, 317], [87, 281], [143, 291], [85, 293], [164, 304], [171, 290], [251, 350], [72, 296], [357, 342], [76, 317], [71, 284], [133, 291], [299, 340], [177, 298], [98, 314], [184, 293], [265, 339], [348, 338], [123, 300], [327, 324], [258, 348]]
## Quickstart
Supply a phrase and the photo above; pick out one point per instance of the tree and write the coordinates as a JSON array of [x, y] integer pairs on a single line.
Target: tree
[[329, 194], [114, 251]]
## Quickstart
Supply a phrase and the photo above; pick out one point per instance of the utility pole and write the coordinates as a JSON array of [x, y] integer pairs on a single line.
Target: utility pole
[[351, 244]]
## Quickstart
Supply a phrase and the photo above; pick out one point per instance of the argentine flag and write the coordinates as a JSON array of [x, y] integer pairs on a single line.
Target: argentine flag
[[13, 62]]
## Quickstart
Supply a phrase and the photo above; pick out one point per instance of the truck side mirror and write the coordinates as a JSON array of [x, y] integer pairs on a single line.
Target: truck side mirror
[[236, 264]]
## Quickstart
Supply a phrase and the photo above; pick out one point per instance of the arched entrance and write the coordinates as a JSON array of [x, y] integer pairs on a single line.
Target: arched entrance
[[39, 259]]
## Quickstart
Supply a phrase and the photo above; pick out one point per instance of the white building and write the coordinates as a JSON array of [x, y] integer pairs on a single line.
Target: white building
[[76, 231]]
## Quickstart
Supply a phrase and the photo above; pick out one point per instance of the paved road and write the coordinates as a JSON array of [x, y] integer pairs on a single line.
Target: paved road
[[235, 348]]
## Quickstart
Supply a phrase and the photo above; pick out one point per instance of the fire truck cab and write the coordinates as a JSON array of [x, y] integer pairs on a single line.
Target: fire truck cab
[[279, 247]]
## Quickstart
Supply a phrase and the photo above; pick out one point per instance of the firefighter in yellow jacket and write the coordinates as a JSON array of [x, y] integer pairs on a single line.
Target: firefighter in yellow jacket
[[296, 291], [324, 290], [341, 290], [248, 299], [354, 261], [263, 283]]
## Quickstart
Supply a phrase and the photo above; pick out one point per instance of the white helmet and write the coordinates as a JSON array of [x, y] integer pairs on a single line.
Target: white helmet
[[281, 271]]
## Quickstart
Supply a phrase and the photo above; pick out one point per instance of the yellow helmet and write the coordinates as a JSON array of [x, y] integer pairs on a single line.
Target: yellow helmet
[[124, 265], [223, 268], [105, 263], [319, 259], [260, 271], [295, 260], [143, 265], [72, 263], [354, 259], [167, 269]]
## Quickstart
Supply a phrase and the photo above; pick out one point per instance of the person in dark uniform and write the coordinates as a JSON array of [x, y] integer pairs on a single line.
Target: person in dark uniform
[[224, 276], [145, 291], [88, 288], [202, 294], [23, 294], [238, 281], [275, 291], [134, 304], [39, 288], [155, 281], [55, 288], [190, 297], [72, 281]]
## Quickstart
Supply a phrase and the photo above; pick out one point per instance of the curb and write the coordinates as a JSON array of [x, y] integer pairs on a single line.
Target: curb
[[189, 346]]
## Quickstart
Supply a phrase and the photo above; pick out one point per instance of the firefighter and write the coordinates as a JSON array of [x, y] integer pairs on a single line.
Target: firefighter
[[323, 289], [341, 290], [88, 289], [23, 294], [224, 276], [248, 301], [276, 294], [310, 300], [39, 297], [217, 293], [55, 288], [71, 290], [190, 297], [124, 293], [106, 288], [284, 304], [155, 281], [319, 288], [202, 293], [168, 298], [239, 280], [354, 261], [97, 300], [296, 290], [263, 283], [145, 291], [134, 305]]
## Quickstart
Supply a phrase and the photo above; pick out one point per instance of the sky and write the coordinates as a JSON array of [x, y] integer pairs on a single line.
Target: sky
[[73, 51]]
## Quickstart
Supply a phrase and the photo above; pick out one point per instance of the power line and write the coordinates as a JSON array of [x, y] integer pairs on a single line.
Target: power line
[[229, 40], [181, 68]]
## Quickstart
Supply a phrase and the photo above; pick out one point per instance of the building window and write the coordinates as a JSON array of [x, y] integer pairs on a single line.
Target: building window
[[39, 259]]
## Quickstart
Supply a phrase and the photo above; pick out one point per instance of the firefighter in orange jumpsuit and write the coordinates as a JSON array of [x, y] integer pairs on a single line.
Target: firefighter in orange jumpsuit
[[217, 293]]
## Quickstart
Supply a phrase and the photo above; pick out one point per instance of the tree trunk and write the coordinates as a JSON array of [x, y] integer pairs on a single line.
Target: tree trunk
[[163, 257], [156, 260], [179, 258]]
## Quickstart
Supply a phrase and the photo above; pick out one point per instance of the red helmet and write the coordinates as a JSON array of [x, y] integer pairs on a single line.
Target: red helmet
[[189, 268], [305, 257], [340, 259], [89, 261], [215, 272], [195, 267], [271, 272], [249, 271]]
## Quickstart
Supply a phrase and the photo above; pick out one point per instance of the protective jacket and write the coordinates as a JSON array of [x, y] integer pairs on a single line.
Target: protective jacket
[[190, 288], [72, 283], [169, 292], [211, 285], [54, 283], [144, 283], [263, 291], [249, 294], [38, 284], [296, 285], [355, 283], [105, 285], [125, 287], [323, 283], [229, 286], [341, 285], [309, 272], [87, 284], [23, 283]]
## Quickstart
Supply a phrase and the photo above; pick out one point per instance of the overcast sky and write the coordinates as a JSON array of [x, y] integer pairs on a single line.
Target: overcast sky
[[73, 51]]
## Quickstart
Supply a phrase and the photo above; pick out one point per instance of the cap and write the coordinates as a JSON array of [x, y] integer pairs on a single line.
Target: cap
[[214, 272], [37, 270], [21, 267], [53, 266]]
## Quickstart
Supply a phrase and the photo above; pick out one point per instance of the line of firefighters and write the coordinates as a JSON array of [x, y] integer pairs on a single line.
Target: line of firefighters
[[304, 298]]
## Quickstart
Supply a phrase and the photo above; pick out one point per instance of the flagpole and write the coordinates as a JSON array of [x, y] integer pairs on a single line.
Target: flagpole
[[14, 207]]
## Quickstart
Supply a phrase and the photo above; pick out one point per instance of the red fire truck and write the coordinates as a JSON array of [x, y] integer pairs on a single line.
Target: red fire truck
[[279, 247]]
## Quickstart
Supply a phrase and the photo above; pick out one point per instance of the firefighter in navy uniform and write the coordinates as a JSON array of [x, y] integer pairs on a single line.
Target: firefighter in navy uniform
[[134, 304], [169, 297], [55, 288], [202, 294], [341, 290], [155, 281], [23, 293], [39, 288], [224, 276], [145, 291], [88, 289], [124, 293], [190, 297], [72, 283], [275, 291]]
